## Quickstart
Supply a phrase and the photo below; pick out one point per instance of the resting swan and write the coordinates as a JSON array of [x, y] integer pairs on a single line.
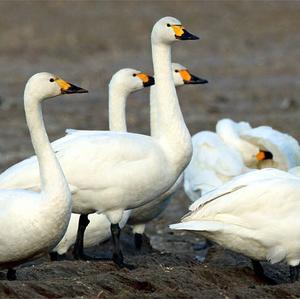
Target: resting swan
[[256, 214], [121, 85], [213, 163], [110, 172], [260, 147], [32, 223], [146, 213]]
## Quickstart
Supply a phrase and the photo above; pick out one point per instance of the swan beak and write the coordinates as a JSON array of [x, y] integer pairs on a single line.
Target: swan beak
[[264, 155], [147, 80], [67, 88], [183, 34], [189, 78]]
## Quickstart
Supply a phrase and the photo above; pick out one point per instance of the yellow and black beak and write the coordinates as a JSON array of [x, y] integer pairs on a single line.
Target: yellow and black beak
[[147, 80], [68, 88], [264, 155], [183, 34], [189, 78]]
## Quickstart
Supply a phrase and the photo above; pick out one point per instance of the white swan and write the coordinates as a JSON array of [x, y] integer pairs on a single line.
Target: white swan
[[109, 172], [260, 147], [276, 149], [213, 163], [230, 132], [256, 214], [32, 223], [121, 85], [140, 216]]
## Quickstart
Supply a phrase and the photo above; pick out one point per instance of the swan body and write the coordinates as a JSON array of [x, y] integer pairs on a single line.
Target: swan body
[[32, 223], [123, 83], [284, 148], [230, 132], [146, 213], [109, 172], [256, 214], [213, 163]]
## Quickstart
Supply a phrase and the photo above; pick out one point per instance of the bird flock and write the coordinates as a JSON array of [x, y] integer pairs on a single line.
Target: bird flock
[[83, 188]]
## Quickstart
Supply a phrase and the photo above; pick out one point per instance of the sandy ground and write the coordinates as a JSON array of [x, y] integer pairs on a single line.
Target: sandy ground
[[249, 52]]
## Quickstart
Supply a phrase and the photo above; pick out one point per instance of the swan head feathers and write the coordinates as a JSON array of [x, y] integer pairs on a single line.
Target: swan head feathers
[[130, 80], [169, 29], [45, 85], [181, 76]]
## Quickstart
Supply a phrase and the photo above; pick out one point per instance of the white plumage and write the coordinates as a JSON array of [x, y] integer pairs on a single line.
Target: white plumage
[[32, 223], [110, 172], [121, 85], [213, 163], [256, 214]]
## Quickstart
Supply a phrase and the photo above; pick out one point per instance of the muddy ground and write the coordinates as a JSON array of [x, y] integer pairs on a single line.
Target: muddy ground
[[249, 52]]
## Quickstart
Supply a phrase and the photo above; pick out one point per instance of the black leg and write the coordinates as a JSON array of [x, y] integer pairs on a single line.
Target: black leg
[[259, 271], [11, 274], [294, 273], [138, 241], [53, 256], [117, 253], [78, 247]]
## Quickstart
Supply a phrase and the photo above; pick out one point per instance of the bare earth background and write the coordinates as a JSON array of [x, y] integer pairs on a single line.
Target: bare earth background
[[249, 52]]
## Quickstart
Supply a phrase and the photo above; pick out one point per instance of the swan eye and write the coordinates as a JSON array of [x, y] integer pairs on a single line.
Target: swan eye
[[51, 80], [176, 71], [134, 75], [168, 25]]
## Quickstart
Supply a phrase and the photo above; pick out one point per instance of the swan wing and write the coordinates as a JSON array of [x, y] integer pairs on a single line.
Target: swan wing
[[241, 182]]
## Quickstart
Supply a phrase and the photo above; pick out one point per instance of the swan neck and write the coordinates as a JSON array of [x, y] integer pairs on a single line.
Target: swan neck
[[117, 108], [168, 124], [53, 182]]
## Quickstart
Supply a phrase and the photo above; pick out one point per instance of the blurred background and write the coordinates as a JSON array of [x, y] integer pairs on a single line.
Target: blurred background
[[248, 51]]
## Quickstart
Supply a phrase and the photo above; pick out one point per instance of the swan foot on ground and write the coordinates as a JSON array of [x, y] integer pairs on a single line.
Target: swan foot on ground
[[117, 257], [11, 274], [259, 271], [78, 247], [294, 273], [138, 241]]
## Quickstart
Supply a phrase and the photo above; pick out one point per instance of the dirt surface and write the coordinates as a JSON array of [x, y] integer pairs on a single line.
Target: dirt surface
[[249, 52]]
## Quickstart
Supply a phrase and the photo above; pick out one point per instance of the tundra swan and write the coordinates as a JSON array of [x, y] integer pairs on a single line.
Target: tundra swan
[[146, 213], [213, 163], [261, 147], [230, 132], [256, 214], [110, 172], [32, 223], [276, 149], [122, 83]]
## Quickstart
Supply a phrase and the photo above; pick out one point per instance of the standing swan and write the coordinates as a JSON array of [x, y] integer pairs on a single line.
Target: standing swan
[[122, 83], [110, 172], [33, 223], [140, 216]]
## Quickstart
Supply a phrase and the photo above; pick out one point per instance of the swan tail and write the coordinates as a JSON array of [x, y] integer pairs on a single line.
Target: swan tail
[[198, 226]]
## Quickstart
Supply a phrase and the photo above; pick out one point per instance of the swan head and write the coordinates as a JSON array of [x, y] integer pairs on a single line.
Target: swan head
[[181, 76], [44, 85], [168, 29], [130, 80]]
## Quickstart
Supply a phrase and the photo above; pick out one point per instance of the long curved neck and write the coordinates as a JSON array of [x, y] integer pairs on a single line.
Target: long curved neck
[[53, 182], [169, 128], [154, 119], [117, 109]]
